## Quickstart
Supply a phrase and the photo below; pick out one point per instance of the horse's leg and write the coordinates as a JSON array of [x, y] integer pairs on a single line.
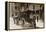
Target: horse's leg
[[34, 24], [23, 23], [17, 22], [14, 20]]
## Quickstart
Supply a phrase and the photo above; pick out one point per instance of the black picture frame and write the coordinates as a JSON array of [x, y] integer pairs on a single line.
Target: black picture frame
[[6, 17]]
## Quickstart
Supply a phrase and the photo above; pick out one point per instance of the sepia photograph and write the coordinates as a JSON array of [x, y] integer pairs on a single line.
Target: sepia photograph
[[22, 15]]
